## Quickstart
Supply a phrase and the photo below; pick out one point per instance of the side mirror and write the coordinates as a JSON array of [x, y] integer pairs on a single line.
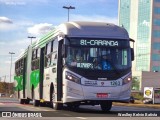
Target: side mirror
[[64, 51], [132, 54]]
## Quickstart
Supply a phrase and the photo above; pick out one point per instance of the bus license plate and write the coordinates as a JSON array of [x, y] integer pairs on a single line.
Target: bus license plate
[[102, 95]]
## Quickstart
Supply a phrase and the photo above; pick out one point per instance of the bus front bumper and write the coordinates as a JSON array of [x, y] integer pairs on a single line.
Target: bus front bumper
[[76, 92]]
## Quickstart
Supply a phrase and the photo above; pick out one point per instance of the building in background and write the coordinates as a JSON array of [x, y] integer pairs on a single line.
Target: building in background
[[141, 18]]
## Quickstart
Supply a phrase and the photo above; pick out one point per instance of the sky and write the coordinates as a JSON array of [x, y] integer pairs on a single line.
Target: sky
[[22, 18]]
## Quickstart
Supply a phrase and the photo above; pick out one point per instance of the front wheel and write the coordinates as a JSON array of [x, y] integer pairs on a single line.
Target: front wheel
[[73, 106], [27, 101], [106, 106]]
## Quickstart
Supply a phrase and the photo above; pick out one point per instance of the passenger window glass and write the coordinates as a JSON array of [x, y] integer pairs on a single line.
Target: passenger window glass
[[49, 48], [55, 45], [38, 53], [54, 59]]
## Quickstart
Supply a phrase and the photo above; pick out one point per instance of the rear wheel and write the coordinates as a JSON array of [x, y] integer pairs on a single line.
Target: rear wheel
[[106, 106], [27, 101], [21, 101]]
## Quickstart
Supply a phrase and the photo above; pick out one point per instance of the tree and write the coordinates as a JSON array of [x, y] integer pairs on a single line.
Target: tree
[[4, 87], [135, 83]]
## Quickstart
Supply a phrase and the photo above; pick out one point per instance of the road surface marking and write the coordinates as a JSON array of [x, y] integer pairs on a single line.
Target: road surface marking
[[81, 118], [35, 108], [67, 114]]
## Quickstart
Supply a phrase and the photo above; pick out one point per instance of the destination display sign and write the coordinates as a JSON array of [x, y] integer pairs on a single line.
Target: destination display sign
[[99, 42]]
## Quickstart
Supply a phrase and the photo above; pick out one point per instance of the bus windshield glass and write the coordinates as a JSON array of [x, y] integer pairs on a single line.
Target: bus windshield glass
[[98, 54]]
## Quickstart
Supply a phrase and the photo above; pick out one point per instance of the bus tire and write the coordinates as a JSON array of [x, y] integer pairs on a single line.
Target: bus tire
[[27, 101], [21, 101], [73, 106], [106, 106]]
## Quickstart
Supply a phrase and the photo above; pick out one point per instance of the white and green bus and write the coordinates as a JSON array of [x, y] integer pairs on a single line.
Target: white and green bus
[[78, 63]]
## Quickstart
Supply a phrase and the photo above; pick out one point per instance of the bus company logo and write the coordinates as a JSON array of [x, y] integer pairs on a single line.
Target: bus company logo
[[102, 83], [148, 92]]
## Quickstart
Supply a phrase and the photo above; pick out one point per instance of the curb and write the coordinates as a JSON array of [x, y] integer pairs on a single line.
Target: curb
[[157, 106]]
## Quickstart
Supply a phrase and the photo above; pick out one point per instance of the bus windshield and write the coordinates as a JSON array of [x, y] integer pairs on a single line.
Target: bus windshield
[[98, 57]]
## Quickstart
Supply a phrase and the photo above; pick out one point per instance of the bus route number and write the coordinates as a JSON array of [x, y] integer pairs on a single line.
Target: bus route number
[[115, 83]]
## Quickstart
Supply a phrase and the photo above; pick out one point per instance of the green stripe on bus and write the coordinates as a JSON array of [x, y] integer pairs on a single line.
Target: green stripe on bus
[[19, 80], [34, 77]]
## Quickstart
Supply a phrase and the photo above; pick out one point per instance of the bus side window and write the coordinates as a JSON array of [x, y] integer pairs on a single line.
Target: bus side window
[[38, 53], [48, 54], [18, 64], [54, 59], [35, 59], [53, 56], [16, 69], [55, 45], [49, 48]]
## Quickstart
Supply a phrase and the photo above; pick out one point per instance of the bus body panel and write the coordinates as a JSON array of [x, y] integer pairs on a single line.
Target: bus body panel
[[49, 77], [79, 92], [28, 81], [93, 30], [72, 92], [34, 84], [18, 83]]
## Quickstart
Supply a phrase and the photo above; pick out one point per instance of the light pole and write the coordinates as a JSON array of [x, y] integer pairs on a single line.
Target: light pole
[[11, 53], [68, 8], [31, 37]]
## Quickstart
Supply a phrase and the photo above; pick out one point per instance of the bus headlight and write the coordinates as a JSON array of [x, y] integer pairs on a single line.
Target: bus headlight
[[73, 78], [127, 80]]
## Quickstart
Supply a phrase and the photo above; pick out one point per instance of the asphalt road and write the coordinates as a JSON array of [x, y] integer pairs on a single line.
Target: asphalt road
[[18, 111]]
